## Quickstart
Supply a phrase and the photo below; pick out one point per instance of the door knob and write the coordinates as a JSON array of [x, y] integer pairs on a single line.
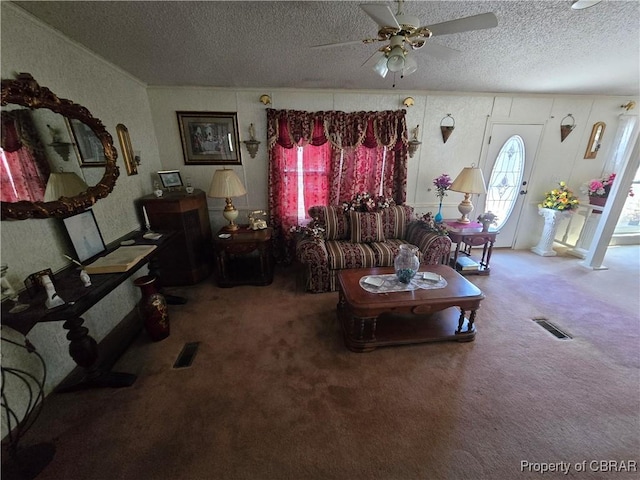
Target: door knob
[[523, 192]]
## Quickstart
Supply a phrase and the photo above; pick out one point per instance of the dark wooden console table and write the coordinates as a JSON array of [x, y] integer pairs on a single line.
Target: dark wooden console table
[[79, 299]]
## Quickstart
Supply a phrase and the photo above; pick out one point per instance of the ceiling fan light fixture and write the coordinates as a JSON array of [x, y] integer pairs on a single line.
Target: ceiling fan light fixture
[[396, 59], [410, 65], [381, 66]]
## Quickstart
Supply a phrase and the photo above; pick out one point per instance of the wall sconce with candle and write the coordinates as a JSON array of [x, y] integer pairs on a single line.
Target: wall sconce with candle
[[252, 144], [61, 148], [414, 143]]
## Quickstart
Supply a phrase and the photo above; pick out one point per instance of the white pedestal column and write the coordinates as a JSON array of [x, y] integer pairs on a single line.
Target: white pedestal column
[[551, 220]]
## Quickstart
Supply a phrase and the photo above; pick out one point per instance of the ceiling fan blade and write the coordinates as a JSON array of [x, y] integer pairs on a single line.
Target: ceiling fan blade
[[381, 14], [582, 4], [466, 24], [440, 51], [366, 41], [373, 59]]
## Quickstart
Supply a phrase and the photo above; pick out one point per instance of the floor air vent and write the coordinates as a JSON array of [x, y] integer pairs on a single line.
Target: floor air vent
[[187, 355], [551, 328]]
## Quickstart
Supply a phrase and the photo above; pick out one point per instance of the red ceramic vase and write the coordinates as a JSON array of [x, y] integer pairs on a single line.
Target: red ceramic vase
[[153, 308]]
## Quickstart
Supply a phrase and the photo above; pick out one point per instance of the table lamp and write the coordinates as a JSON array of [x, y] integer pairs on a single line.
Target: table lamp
[[63, 184], [470, 180], [226, 184]]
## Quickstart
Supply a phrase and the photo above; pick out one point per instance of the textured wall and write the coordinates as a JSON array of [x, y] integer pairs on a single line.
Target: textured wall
[[112, 96], [474, 116]]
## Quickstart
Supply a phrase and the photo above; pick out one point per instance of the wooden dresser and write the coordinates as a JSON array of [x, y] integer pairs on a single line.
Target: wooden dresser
[[189, 258]]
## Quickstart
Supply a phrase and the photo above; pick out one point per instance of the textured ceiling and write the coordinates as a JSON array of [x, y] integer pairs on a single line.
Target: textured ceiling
[[537, 47]]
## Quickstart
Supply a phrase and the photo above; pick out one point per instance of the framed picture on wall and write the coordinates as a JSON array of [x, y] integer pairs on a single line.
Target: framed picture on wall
[[88, 145], [209, 138], [84, 234]]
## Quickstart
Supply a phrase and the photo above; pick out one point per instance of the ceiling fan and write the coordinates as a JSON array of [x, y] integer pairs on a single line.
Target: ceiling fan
[[582, 4], [403, 32]]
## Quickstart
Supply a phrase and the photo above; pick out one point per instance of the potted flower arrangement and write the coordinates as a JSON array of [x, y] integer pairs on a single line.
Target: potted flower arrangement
[[557, 203], [442, 184], [487, 219], [598, 190], [561, 198]]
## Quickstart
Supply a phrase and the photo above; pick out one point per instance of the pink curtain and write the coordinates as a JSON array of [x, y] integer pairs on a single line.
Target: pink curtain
[[24, 169], [342, 154]]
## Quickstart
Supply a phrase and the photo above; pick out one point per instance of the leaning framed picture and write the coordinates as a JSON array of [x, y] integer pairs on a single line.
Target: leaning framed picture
[[88, 145], [209, 138], [84, 234], [170, 178]]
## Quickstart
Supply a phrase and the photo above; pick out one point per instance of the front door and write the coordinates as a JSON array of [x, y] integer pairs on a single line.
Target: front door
[[510, 155]]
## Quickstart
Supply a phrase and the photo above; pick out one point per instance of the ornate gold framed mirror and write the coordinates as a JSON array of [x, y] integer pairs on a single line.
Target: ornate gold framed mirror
[[25, 94], [594, 141]]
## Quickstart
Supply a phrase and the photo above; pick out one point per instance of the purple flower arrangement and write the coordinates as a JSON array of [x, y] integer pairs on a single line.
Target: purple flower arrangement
[[442, 184]]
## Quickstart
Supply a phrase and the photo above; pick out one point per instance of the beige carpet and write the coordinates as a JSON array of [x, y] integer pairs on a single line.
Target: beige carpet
[[274, 394]]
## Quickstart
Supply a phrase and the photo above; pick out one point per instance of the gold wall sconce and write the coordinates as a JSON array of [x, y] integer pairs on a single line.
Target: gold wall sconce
[[566, 128], [127, 150], [447, 130], [594, 141], [252, 144], [414, 143], [629, 105], [408, 102], [265, 99]]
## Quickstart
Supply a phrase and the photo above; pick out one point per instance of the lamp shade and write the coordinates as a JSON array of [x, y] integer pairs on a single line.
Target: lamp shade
[[381, 66], [469, 180], [63, 184], [410, 65], [395, 63], [226, 184]]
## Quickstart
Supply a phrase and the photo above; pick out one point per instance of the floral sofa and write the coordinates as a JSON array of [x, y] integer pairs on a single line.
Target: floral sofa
[[350, 239]]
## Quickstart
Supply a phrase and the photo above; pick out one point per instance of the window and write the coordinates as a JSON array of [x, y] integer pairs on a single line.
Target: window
[[506, 178]]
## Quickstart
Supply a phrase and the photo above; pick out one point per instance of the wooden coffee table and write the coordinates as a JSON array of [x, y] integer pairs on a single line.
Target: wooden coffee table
[[371, 320]]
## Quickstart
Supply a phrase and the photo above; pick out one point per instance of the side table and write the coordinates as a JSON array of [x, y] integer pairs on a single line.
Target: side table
[[465, 236], [244, 257]]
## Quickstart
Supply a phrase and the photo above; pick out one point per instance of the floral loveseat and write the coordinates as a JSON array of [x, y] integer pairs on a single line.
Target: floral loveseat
[[350, 239]]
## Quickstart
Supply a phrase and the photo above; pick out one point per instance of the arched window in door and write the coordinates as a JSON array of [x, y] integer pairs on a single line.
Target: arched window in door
[[506, 178]]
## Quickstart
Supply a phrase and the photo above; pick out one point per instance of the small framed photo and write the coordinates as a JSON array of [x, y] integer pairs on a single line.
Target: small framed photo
[[209, 138], [85, 235], [88, 145], [170, 178]]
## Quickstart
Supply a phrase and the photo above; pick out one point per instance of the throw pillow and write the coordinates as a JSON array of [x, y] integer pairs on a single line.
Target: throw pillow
[[334, 220], [395, 220], [366, 227]]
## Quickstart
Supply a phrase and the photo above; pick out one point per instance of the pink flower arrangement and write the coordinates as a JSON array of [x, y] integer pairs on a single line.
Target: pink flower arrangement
[[442, 184], [600, 187]]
